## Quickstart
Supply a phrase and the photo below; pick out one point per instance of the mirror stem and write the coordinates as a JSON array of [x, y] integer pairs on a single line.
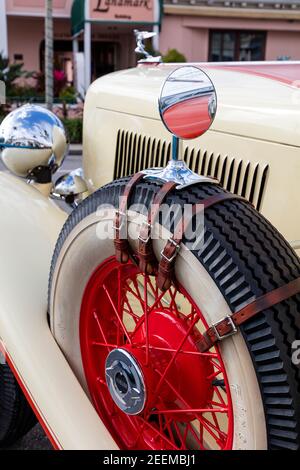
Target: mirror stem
[[177, 148]]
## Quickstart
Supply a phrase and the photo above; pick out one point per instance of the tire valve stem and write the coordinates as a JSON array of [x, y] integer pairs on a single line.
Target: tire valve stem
[[218, 383]]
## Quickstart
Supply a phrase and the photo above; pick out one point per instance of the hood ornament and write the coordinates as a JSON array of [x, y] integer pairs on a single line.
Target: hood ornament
[[141, 36]]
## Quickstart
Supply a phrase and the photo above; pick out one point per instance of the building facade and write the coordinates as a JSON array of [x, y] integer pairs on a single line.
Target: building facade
[[100, 32], [99, 28], [225, 30]]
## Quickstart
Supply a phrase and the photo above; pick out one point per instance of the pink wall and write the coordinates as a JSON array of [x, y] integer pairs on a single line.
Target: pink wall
[[190, 35], [24, 37], [26, 34], [279, 44], [61, 8], [192, 42]]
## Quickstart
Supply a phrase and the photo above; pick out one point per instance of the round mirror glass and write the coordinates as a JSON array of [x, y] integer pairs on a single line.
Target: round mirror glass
[[188, 102]]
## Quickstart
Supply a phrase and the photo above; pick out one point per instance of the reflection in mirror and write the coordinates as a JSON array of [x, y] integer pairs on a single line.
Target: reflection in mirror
[[32, 137], [188, 102]]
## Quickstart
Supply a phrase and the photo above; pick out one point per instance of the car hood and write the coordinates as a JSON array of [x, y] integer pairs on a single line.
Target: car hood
[[255, 100]]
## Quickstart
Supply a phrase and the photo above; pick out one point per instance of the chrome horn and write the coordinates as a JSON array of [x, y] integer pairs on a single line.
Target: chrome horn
[[70, 188]]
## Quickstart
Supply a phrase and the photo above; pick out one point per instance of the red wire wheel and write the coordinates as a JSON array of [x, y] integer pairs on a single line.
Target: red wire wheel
[[151, 386]]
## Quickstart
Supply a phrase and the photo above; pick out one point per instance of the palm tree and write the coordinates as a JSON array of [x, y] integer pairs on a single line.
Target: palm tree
[[49, 53]]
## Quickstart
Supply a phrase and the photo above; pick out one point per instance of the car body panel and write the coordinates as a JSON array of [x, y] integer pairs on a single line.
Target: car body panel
[[249, 104], [27, 241]]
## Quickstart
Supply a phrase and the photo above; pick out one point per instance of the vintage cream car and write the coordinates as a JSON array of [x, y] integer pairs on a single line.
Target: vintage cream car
[[104, 357]]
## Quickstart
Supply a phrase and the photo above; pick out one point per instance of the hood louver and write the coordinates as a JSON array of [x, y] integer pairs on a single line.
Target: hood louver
[[136, 152]]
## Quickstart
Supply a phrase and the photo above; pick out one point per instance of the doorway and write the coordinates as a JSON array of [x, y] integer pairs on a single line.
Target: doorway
[[104, 58]]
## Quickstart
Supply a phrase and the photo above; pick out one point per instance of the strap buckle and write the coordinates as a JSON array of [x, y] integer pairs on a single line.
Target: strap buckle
[[233, 331], [149, 227], [123, 216], [177, 246]]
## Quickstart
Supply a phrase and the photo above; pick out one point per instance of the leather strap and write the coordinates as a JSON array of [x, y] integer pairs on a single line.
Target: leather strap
[[166, 269], [122, 247], [228, 326], [147, 258]]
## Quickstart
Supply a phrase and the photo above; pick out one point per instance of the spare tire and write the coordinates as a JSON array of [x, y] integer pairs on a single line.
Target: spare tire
[[248, 384]]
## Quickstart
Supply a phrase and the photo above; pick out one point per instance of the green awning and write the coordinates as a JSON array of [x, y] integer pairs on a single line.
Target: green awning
[[78, 16]]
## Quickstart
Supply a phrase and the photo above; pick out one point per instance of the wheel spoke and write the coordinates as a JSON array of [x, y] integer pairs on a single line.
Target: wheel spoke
[[200, 418], [154, 292], [216, 365], [135, 295], [168, 350], [161, 434], [181, 437], [146, 319], [117, 314], [153, 306], [214, 375], [210, 431], [173, 433], [216, 406], [222, 435], [174, 357], [119, 304], [173, 304], [190, 410], [219, 395], [101, 329], [104, 345], [199, 438], [130, 311]]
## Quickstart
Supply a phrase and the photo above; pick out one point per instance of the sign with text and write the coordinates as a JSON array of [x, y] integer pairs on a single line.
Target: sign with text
[[129, 11]]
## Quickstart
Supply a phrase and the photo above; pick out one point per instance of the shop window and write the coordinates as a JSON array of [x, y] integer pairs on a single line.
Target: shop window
[[237, 46], [18, 57]]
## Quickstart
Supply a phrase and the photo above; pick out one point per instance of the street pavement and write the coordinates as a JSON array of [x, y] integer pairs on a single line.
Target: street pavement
[[36, 439]]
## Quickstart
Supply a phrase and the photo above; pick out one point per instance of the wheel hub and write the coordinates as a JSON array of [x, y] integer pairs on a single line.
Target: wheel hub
[[125, 381]]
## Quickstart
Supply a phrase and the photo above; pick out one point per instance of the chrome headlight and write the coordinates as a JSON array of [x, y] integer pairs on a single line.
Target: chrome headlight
[[33, 142]]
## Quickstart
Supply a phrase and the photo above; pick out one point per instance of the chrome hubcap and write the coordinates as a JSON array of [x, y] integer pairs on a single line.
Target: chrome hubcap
[[125, 381]]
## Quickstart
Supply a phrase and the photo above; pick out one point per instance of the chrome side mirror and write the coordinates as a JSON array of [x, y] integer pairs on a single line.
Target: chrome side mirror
[[70, 188], [33, 143], [188, 102], [187, 106]]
